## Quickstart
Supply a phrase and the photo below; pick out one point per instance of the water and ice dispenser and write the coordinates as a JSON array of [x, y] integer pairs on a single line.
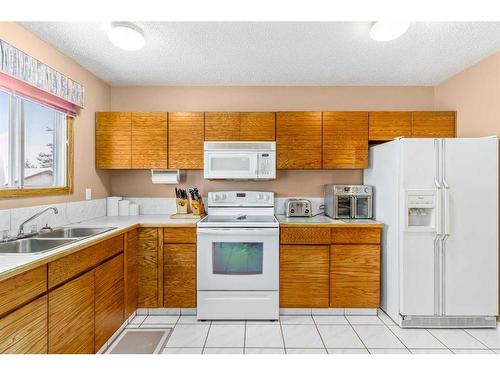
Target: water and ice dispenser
[[421, 210]]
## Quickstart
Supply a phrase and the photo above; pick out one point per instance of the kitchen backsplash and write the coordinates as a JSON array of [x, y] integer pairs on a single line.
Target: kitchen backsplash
[[75, 212], [68, 213]]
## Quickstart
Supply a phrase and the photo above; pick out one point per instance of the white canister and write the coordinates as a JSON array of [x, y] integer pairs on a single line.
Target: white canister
[[112, 206], [123, 207], [133, 209]]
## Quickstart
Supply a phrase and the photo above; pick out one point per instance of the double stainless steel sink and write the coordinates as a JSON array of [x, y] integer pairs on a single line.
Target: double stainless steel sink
[[42, 242]]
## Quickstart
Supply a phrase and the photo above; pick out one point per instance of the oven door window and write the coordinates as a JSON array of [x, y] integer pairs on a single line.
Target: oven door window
[[237, 258], [362, 207], [344, 207]]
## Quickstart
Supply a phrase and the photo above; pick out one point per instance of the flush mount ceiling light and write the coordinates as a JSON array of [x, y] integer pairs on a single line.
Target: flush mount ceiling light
[[126, 35], [383, 31]]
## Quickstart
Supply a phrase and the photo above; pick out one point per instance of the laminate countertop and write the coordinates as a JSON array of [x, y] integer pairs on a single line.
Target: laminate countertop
[[13, 264], [322, 220]]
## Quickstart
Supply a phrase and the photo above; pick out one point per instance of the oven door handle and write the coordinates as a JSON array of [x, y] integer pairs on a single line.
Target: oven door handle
[[239, 231]]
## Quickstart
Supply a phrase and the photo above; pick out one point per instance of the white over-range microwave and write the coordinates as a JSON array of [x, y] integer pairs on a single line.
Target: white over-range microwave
[[240, 160]]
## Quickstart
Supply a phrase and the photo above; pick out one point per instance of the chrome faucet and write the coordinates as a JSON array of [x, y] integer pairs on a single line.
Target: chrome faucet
[[20, 233]]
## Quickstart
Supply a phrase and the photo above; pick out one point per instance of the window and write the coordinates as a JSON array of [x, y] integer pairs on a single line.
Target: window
[[34, 148]]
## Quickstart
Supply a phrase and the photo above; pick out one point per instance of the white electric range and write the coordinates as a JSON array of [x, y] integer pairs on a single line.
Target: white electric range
[[238, 257]]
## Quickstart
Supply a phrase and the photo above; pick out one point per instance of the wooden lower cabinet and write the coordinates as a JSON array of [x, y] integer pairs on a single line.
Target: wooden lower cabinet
[[304, 276], [179, 275], [131, 271], [148, 263], [71, 317], [109, 299], [24, 331], [355, 276]]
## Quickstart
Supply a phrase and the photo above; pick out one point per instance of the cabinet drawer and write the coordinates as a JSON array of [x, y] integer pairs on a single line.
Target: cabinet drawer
[[305, 235], [65, 268], [24, 331], [22, 288], [356, 235], [179, 235]]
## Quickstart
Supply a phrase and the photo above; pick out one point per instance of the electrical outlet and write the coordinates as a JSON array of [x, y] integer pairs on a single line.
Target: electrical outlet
[[88, 194]]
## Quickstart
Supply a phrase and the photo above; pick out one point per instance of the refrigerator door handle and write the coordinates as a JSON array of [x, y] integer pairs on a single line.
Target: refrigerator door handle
[[352, 201], [436, 159], [436, 275], [447, 223]]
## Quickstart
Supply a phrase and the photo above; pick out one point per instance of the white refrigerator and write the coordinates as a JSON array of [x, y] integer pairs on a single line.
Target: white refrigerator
[[438, 199]]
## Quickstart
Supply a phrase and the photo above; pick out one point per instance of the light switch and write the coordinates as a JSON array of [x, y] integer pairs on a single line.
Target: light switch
[[88, 194]]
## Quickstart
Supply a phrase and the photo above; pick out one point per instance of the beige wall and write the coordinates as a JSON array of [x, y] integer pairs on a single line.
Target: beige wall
[[269, 98], [475, 94], [97, 99]]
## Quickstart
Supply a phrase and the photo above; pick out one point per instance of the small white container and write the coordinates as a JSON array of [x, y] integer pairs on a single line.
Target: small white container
[[112, 206], [123, 207], [133, 209]]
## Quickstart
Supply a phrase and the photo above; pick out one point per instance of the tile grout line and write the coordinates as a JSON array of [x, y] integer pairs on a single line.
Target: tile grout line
[[206, 338], [319, 333], [282, 335], [359, 337], [475, 338], [446, 346]]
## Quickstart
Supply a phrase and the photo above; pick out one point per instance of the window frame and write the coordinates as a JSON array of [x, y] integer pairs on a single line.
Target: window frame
[[16, 192]]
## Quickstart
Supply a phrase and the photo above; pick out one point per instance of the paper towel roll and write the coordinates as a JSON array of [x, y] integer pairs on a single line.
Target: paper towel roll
[[133, 209], [112, 206], [123, 207]]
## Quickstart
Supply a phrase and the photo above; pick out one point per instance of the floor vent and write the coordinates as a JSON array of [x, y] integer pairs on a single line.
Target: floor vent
[[449, 322]]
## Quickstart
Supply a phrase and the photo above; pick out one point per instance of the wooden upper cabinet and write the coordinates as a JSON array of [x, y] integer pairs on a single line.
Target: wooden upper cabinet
[[113, 141], [345, 140], [149, 140], [222, 126], [109, 299], [257, 126], [433, 124], [385, 126], [186, 133], [180, 275], [304, 276], [71, 317], [298, 140]]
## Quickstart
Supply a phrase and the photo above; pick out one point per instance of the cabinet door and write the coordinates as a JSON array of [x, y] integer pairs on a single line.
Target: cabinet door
[[149, 140], [257, 126], [355, 276], [71, 317], [148, 258], [222, 126], [180, 275], [131, 271], [304, 278], [24, 331], [298, 140], [433, 124], [345, 140], [109, 299], [113, 140], [186, 133], [385, 126]]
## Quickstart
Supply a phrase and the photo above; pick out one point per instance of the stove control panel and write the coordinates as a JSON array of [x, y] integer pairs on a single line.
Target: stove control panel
[[241, 198]]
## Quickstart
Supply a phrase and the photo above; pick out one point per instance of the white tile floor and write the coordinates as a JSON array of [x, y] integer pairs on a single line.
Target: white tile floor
[[316, 334]]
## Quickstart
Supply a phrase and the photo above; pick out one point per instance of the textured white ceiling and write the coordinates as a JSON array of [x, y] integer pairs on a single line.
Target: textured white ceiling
[[275, 53]]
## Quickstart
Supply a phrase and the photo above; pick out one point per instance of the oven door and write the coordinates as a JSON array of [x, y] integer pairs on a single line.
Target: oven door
[[230, 165], [238, 259], [363, 207], [344, 207]]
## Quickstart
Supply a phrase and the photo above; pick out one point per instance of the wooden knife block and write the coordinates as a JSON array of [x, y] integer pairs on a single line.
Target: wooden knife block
[[198, 208], [182, 205]]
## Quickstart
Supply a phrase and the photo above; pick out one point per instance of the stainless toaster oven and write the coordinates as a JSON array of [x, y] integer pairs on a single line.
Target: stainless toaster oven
[[348, 201]]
